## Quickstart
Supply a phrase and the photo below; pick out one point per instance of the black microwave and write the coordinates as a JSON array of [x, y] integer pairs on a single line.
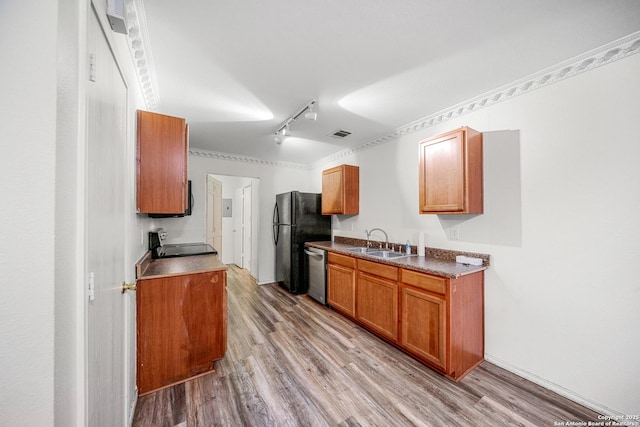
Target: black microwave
[[190, 202]]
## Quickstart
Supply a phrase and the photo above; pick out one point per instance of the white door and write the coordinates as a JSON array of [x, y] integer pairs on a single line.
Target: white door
[[237, 227], [213, 217], [246, 227], [105, 233]]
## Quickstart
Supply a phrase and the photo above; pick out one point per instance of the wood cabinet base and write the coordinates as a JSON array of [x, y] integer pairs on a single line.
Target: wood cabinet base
[[193, 377], [181, 327], [437, 320], [446, 331]]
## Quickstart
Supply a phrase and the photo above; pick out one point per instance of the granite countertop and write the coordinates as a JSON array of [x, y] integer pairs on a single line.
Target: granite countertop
[[149, 268], [438, 262]]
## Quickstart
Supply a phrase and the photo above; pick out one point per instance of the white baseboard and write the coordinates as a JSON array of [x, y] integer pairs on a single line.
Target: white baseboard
[[588, 403], [132, 407]]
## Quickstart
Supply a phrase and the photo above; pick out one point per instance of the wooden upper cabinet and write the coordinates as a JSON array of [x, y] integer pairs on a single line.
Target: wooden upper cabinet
[[161, 159], [341, 190], [451, 173]]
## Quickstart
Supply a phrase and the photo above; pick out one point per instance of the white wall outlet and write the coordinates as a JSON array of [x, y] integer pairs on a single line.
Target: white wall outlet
[[142, 236], [454, 233]]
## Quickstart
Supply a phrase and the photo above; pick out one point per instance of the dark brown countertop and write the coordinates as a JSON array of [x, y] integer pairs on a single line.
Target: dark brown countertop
[[149, 268], [438, 262]]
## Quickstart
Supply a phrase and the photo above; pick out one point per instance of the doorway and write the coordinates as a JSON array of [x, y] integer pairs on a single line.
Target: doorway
[[239, 225], [213, 215], [243, 228]]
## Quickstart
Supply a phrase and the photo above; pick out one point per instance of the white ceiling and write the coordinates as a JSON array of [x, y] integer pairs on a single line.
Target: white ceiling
[[236, 70]]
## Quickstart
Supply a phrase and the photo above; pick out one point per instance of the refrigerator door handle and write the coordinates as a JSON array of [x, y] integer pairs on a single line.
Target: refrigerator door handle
[[276, 222]]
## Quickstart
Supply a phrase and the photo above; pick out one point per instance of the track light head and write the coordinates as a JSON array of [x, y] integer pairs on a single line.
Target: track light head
[[310, 114], [306, 112]]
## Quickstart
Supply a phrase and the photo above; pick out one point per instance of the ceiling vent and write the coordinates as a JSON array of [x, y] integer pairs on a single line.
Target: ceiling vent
[[340, 133]]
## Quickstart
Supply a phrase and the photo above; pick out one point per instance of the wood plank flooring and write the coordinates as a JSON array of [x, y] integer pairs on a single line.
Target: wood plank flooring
[[292, 362]]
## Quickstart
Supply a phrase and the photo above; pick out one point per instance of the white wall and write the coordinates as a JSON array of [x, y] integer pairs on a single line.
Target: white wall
[[562, 203], [69, 307], [27, 184]]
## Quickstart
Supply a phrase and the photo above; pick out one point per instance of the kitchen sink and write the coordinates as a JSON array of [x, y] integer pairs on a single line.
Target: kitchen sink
[[387, 254], [363, 250], [378, 253]]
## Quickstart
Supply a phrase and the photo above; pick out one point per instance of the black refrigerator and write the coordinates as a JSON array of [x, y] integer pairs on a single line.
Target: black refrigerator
[[297, 219]]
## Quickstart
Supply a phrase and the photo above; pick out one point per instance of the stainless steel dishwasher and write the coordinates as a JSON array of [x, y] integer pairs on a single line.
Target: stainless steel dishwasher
[[316, 273]]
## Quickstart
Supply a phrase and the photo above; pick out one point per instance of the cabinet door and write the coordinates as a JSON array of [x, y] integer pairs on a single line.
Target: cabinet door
[[424, 326], [442, 177], [161, 164], [341, 288], [341, 190], [451, 173], [332, 191], [377, 305], [181, 327]]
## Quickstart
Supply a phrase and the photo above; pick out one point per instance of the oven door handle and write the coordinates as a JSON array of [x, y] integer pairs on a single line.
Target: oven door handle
[[313, 254]]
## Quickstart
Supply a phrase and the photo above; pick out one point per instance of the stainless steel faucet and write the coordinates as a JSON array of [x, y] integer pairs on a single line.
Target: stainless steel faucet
[[386, 238]]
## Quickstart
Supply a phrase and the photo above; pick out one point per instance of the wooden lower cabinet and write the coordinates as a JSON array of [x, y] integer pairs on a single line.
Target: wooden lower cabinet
[[443, 320], [438, 320], [181, 327], [424, 325], [377, 298], [341, 283]]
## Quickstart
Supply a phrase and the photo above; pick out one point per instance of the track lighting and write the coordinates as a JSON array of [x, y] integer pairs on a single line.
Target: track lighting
[[284, 130]]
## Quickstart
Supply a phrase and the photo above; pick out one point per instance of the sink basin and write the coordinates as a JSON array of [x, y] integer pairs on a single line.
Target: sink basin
[[378, 253], [363, 250], [387, 254]]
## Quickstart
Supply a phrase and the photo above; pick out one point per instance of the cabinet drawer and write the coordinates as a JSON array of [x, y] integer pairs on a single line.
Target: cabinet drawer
[[424, 281], [378, 269], [347, 261]]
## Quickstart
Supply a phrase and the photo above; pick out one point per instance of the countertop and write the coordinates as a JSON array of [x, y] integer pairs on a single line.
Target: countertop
[[438, 262], [149, 268]]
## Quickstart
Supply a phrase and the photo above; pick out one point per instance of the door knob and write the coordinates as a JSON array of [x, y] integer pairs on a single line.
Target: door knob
[[128, 287]]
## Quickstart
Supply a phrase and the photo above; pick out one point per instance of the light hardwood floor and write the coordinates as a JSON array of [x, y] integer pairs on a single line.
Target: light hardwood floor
[[292, 362]]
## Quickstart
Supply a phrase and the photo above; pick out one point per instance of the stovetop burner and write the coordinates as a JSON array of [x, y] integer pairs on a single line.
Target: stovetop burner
[[183, 249]]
